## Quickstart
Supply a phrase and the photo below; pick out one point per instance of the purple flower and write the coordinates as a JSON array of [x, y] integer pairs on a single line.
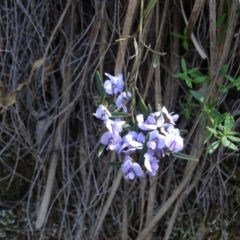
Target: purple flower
[[122, 99], [159, 119], [131, 169], [102, 113], [174, 142], [151, 164], [114, 126], [114, 84], [112, 140], [133, 140], [156, 140], [149, 124]]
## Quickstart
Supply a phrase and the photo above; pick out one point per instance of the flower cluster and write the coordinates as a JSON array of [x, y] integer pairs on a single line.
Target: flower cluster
[[154, 135]]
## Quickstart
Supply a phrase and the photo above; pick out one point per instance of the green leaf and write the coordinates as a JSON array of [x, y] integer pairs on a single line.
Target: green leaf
[[101, 149], [227, 143], [185, 44], [184, 65], [221, 19], [183, 132], [126, 126], [150, 6], [234, 139], [115, 164], [196, 74], [99, 83], [188, 81], [156, 61], [143, 151], [207, 136], [228, 122], [192, 71], [197, 95], [149, 109], [223, 70], [111, 108], [186, 113], [237, 81], [177, 35], [142, 106], [180, 75], [183, 156], [119, 114], [224, 89], [231, 79], [211, 148], [200, 79], [219, 119], [102, 98], [212, 130], [232, 133]]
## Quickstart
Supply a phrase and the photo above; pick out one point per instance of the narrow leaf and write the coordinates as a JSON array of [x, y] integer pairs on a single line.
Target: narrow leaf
[[99, 83], [115, 164], [142, 106], [183, 156], [101, 149], [211, 148], [200, 79], [212, 130], [234, 139], [150, 6], [197, 95], [227, 143], [185, 44], [177, 35], [156, 61], [208, 136], [228, 122], [231, 79], [223, 70], [119, 114], [184, 65]]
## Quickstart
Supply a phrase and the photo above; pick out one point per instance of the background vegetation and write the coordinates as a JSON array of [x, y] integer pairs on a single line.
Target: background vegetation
[[52, 184]]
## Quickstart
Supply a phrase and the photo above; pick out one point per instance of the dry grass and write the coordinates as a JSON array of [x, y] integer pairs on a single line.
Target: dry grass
[[50, 176]]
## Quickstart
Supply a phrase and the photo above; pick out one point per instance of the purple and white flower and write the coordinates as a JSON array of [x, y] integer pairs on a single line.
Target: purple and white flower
[[115, 84], [131, 169], [156, 140], [122, 100], [114, 126], [112, 140], [133, 141], [174, 142], [102, 113], [151, 164], [148, 124]]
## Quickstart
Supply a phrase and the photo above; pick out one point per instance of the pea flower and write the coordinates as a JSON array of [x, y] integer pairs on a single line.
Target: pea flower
[[114, 126], [151, 164], [122, 99], [133, 141], [131, 169], [114, 84], [174, 142], [156, 140], [112, 141], [102, 113], [149, 124]]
